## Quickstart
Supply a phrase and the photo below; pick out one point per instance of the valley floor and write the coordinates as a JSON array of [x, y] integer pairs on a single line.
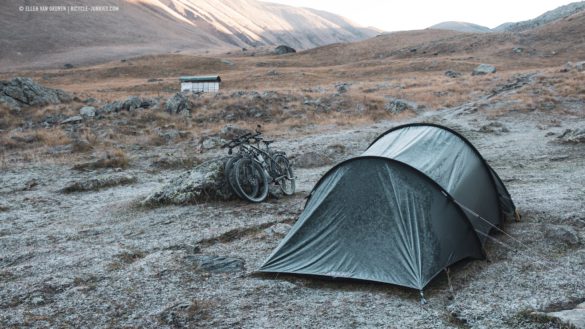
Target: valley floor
[[96, 259]]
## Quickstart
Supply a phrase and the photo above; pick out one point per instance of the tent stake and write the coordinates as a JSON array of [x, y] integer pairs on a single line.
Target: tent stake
[[450, 285], [422, 298]]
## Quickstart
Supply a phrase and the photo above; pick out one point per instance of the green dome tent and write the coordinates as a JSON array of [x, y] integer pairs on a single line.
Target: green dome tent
[[419, 199]]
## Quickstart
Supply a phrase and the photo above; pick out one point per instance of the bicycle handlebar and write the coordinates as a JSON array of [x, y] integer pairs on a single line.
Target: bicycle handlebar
[[236, 141]]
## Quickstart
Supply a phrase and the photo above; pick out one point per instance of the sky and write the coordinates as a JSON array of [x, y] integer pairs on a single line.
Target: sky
[[399, 15]]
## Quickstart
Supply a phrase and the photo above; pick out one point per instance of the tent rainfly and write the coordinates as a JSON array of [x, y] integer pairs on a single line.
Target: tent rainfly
[[419, 199]]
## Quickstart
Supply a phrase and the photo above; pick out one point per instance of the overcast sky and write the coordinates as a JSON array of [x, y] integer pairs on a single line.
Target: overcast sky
[[401, 15]]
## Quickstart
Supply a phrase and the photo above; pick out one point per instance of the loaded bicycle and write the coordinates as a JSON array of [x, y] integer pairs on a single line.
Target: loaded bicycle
[[255, 166]]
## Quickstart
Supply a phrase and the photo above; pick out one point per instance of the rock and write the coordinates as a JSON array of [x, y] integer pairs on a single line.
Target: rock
[[229, 132], [168, 134], [575, 317], [29, 185], [203, 183], [562, 234], [452, 74], [570, 66], [97, 183], [111, 107], [335, 150], [342, 87], [73, 119], [211, 142], [397, 106], [154, 80], [216, 264], [227, 62], [317, 89], [87, 111], [494, 127], [187, 314], [280, 229], [571, 136], [24, 91], [483, 69], [68, 66], [283, 49], [132, 103], [311, 160], [518, 50], [178, 103], [10, 103]]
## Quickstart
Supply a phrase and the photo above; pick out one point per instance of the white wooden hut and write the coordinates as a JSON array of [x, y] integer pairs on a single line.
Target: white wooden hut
[[209, 83]]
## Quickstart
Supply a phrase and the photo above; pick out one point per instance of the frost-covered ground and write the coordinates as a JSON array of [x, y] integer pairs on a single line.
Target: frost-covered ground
[[97, 259]]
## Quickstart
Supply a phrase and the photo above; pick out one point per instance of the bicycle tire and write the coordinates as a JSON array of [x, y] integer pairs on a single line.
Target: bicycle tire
[[250, 180], [286, 180], [230, 175]]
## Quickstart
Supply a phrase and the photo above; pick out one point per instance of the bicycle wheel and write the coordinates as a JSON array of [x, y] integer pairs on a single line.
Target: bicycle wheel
[[286, 178], [230, 173], [250, 180]]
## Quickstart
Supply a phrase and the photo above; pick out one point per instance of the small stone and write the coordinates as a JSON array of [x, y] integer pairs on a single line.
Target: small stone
[[483, 69], [397, 106], [572, 136], [216, 264], [232, 131], [452, 74], [87, 111], [562, 234], [73, 119]]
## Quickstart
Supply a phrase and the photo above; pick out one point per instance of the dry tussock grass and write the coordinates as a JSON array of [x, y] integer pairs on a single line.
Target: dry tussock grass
[[106, 158], [28, 139]]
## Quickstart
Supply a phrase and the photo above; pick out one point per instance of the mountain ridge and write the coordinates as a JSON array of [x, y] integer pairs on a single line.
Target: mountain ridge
[[141, 27]]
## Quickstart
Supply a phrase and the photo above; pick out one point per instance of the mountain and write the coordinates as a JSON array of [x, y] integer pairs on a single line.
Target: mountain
[[40, 37], [549, 16], [461, 27]]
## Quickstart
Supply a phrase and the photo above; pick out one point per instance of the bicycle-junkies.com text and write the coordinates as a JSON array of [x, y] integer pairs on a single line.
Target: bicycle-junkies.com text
[[68, 9]]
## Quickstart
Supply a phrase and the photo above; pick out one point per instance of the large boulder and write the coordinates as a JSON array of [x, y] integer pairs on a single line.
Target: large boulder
[[24, 91], [132, 103], [483, 69], [284, 49], [205, 182], [178, 104]]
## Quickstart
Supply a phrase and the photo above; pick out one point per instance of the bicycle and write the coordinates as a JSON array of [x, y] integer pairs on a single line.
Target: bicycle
[[250, 169], [247, 180], [276, 164]]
